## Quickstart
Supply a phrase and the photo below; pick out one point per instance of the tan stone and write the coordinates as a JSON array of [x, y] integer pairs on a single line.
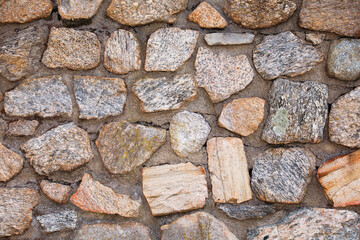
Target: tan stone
[[22, 127], [11, 163], [207, 17], [55, 191], [78, 9]]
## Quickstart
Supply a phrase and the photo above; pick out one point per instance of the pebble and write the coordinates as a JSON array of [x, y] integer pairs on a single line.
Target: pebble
[[22, 128], [59, 221], [11, 163], [223, 39], [55, 191], [242, 212], [315, 38], [207, 17], [78, 9]]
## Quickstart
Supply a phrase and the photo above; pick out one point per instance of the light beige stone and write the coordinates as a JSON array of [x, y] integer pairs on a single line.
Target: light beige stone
[[11, 163], [55, 191], [78, 9], [207, 17]]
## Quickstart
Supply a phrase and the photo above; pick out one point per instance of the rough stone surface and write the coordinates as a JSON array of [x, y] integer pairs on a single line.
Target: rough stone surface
[[59, 221], [297, 112], [3, 128], [242, 212], [124, 146], [165, 54], [63, 148], [242, 116], [189, 132], [222, 75], [315, 38], [229, 38], [174, 188], [22, 128], [72, 49], [284, 54], [99, 97], [207, 17], [95, 197], [55, 191], [282, 175], [11, 163], [78, 9], [162, 94]]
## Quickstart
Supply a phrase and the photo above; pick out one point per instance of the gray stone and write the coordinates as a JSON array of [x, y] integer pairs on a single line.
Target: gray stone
[[315, 38], [11, 163], [3, 128], [60, 221], [229, 38], [22, 128], [78, 9], [242, 212]]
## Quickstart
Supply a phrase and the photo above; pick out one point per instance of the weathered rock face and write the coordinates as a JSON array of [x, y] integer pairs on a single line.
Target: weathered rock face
[[22, 128], [284, 54], [11, 163], [174, 188], [165, 54], [124, 146], [297, 112], [78, 9], [55, 191], [242, 212], [282, 175], [60, 221], [207, 17], [229, 38], [63, 148], [315, 38], [222, 75]]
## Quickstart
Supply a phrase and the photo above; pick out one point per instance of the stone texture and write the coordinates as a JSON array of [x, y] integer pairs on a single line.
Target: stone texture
[[284, 54], [228, 168], [3, 128], [242, 116], [55, 191], [297, 112], [78, 9], [95, 197], [174, 188], [72, 49], [11, 163], [282, 175], [22, 128], [222, 75], [63, 148], [189, 132], [229, 38], [207, 17], [99, 97], [124, 146], [59, 221], [255, 14], [242, 212], [315, 38], [165, 54], [162, 94]]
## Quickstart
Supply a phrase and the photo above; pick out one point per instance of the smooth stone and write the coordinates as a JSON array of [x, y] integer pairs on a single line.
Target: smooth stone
[[59, 221], [55, 191], [242, 212], [207, 17], [11, 163], [22, 128], [78, 9], [315, 38], [229, 38]]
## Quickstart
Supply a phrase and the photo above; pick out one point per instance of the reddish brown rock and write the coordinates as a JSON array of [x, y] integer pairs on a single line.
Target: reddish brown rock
[[22, 127], [11, 163], [55, 191], [207, 17]]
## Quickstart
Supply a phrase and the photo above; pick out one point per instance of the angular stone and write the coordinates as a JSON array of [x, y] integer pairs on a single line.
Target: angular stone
[[124, 146], [282, 175], [188, 132], [72, 49], [229, 38], [255, 14], [285, 54], [78, 9], [174, 188], [242, 116], [242, 212], [55, 191], [11, 163], [315, 38], [22, 128], [16, 206], [60, 221], [222, 75], [165, 54], [99, 97], [63, 148], [95, 197], [3, 128], [207, 17], [297, 112]]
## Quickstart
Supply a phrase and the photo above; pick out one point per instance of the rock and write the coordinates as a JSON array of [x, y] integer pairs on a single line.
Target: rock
[[188, 132], [140, 12], [165, 54], [124, 146], [222, 75], [242, 212], [174, 188], [315, 38], [311, 223], [3, 128], [297, 112], [22, 128], [344, 59], [228, 168], [11, 163], [16, 206], [207, 17], [60, 221], [72, 49], [343, 19], [255, 14], [282, 175], [63, 148], [122, 52], [55, 191], [78, 9], [200, 225], [95, 197], [284, 54], [242, 116], [99, 97], [229, 38]]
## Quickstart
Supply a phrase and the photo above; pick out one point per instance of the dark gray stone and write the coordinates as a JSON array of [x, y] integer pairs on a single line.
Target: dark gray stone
[[242, 212], [54, 222]]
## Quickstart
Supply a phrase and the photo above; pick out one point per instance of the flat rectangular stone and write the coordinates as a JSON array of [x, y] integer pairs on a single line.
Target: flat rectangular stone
[[229, 38]]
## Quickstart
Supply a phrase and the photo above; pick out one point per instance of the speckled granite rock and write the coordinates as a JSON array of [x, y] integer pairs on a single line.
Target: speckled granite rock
[[315, 38], [22, 128], [11, 163], [284, 54], [297, 112], [222, 75], [3, 128], [207, 17], [59, 221], [55, 191], [78, 9], [242, 212], [229, 38]]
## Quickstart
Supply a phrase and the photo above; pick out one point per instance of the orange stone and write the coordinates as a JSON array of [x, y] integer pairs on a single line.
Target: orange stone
[[207, 17], [54, 191]]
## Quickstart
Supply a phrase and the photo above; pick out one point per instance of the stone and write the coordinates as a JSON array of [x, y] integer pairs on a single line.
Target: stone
[[165, 54], [207, 17], [311, 223], [297, 112], [189, 132], [22, 128], [242, 212], [122, 52], [226, 38], [44, 97], [95, 197], [78, 9], [242, 116], [222, 75], [99, 97], [315, 38], [255, 14], [3, 128], [139, 12], [174, 188], [282, 175], [72, 49], [16, 205], [124, 146], [285, 54], [59, 221], [55, 191], [63, 148], [11, 163], [344, 120], [329, 15]]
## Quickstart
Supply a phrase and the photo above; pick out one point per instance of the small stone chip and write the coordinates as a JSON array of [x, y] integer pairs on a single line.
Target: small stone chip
[[229, 38], [78, 9], [11, 163], [315, 38], [55, 191], [22, 128], [59, 221], [207, 17]]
